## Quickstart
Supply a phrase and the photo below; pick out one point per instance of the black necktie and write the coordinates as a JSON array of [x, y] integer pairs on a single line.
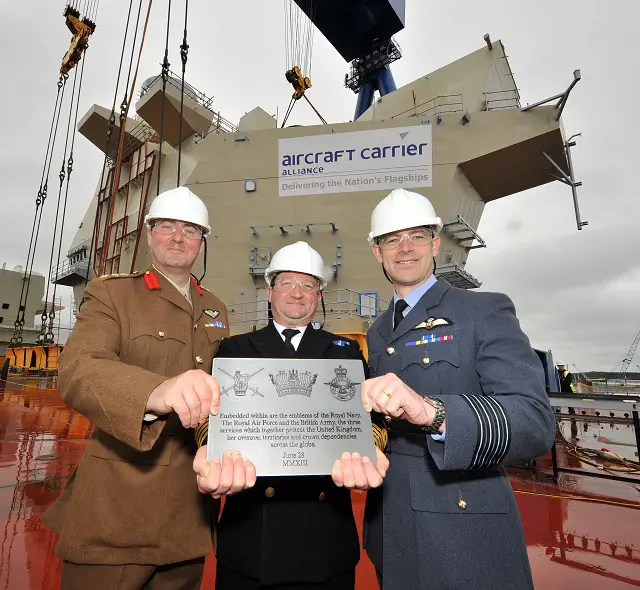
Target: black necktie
[[288, 334], [401, 305]]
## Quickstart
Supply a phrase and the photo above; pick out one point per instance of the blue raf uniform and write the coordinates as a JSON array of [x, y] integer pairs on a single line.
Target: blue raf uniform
[[446, 516]]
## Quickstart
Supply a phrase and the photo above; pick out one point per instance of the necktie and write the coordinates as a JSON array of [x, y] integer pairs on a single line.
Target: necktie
[[401, 305], [288, 334]]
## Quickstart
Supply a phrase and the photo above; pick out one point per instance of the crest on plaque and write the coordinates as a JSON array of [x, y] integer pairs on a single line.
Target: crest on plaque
[[293, 382], [241, 383], [342, 388]]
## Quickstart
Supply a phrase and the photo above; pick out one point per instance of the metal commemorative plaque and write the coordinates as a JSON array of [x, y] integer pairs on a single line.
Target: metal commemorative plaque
[[290, 416]]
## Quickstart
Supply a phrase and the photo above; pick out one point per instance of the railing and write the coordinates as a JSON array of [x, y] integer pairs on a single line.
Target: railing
[[501, 99], [76, 262], [218, 125], [447, 103], [132, 140], [175, 80]]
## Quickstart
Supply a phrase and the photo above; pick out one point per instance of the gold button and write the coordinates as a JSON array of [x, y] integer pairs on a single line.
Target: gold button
[[462, 505], [269, 492], [199, 360], [390, 350], [322, 496], [161, 334], [425, 361], [195, 326]]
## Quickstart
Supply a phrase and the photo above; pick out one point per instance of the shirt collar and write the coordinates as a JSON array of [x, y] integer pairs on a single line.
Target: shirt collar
[[415, 295], [280, 328]]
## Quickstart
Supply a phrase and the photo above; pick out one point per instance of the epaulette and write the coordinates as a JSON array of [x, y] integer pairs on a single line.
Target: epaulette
[[120, 275]]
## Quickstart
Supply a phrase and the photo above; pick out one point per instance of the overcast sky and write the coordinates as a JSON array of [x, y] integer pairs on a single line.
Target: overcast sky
[[576, 293]]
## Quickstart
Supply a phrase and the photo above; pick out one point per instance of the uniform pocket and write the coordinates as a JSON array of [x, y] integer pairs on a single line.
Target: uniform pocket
[[468, 492], [105, 447], [427, 353]]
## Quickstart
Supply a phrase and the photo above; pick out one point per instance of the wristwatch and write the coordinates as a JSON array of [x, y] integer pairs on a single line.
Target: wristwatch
[[440, 416]]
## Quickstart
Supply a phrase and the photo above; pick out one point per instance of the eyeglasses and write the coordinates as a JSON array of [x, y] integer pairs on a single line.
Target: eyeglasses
[[165, 228], [287, 285], [416, 238]]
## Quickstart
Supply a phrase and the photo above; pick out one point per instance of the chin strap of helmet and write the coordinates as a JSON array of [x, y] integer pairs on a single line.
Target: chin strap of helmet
[[204, 239], [324, 311]]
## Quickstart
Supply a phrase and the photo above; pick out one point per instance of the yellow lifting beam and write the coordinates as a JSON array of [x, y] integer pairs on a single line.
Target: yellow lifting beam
[[81, 29]]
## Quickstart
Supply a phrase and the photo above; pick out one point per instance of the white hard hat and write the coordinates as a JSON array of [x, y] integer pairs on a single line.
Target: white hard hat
[[402, 209], [182, 205], [298, 257], [561, 363]]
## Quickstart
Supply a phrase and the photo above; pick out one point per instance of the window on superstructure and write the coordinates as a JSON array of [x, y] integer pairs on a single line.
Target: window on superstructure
[[5, 306]]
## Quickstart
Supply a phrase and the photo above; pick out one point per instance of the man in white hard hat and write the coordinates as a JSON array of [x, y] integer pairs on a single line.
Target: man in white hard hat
[[299, 532], [138, 365], [566, 380], [464, 395]]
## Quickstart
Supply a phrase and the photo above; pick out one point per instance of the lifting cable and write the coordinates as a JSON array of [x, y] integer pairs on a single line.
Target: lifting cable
[[45, 336], [17, 339], [66, 195], [299, 30], [110, 126], [298, 34], [165, 77], [184, 50], [124, 110]]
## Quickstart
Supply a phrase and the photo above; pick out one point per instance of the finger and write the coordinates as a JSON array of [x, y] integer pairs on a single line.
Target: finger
[[239, 479], [336, 473], [190, 411], [373, 478], [210, 483], [226, 473], [365, 387], [382, 463], [214, 389], [347, 471], [249, 473], [181, 408], [359, 477], [203, 392], [200, 463]]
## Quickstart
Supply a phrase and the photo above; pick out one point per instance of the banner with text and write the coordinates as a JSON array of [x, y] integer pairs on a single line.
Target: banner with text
[[355, 161]]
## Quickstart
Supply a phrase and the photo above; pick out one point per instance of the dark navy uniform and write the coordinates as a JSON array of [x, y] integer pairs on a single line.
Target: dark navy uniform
[[288, 530], [446, 516]]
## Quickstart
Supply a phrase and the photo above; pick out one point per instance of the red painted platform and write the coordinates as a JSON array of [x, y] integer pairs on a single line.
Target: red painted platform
[[581, 532]]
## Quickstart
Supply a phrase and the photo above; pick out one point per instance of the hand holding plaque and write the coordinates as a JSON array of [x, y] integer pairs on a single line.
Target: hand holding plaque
[[227, 477], [290, 416]]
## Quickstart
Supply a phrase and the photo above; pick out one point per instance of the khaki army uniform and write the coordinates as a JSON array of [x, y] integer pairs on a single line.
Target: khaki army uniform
[[133, 498]]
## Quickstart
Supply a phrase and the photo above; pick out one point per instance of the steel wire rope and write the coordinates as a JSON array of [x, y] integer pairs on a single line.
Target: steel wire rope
[[117, 168], [165, 77], [16, 339], [66, 195], [110, 125], [184, 51], [46, 337]]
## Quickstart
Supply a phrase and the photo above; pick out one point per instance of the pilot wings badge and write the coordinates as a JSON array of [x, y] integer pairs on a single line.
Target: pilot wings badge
[[432, 323], [342, 388]]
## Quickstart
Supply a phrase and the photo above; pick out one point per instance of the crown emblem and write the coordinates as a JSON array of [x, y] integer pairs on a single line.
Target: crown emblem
[[293, 382], [342, 388]]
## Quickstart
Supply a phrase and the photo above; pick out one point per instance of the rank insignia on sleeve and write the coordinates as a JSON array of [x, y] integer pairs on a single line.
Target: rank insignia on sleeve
[[432, 323], [341, 343], [211, 313]]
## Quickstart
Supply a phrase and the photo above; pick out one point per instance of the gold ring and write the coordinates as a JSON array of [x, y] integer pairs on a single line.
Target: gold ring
[[386, 393]]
